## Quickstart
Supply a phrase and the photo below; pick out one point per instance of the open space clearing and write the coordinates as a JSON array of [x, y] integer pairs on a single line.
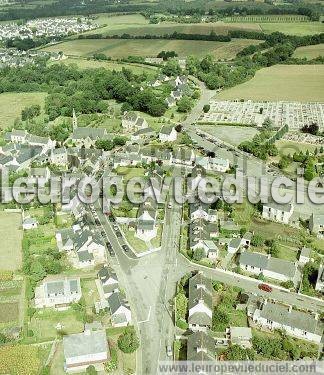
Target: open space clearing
[[9, 312], [111, 65], [118, 48], [11, 105], [231, 134], [11, 237], [302, 83], [310, 52], [288, 147], [293, 28]]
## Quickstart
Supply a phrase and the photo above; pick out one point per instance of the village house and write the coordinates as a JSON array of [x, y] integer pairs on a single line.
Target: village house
[[202, 211], [29, 223], [274, 268], [300, 324], [120, 311], [58, 293], [197, 179], [183, 156], [143, 134], [304, 256], [87, 137], [170, 101], [59, 157], [146, 228], [200, 303], [108, 281], [277, 212], [316, 225], [89, 348], [132, 121], [201, 347], [168, 134], [39, 175]]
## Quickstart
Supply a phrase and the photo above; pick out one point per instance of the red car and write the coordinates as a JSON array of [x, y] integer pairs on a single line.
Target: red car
[[265, 287]]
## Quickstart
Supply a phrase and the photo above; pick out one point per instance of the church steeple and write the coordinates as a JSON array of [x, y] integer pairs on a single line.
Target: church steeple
[[74, 120]]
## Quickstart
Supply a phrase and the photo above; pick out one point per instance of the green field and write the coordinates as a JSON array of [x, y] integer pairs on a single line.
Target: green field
[[281, 82], [289, 147], [230, 134], [11, 237], [310, 52], [11, 105], [219, 27], [293, 28], [84, 63], [117, 48]]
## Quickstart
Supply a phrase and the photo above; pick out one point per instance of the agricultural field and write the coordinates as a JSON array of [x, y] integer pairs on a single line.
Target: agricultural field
[[293, 28], [20, 359], [118, 48], [193, 28], [11, 237], [302, 83], [11, 105], [83, 63], [268, 18], [309, 52], [231, 134]]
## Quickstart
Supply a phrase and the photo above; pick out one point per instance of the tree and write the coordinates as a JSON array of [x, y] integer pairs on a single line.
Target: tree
[[236, 353], [220, 319], [198, 254], [267, 124], [206, 108], [104, 144], [274, 248], [184, 104], [91, 370], [30, 112], [128, 341], [171, 68], [181, 306], [257, 240]]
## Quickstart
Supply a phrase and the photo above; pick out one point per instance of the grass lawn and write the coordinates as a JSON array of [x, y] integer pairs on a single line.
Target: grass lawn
[[9, 312], [244, 213], [231, 134], [138, 245], [11, 237], [130, 172], [310, 52], [44, 323], [118, 48], [287, 252], [289, 147], [11, 105], [90, 294], [281, 82], [20, 359]]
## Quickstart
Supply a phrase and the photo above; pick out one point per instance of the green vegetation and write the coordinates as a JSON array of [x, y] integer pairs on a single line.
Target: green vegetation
[[309, 52], [12, 104], [292, 82], [11, 235], [19, 359], [128, 341]]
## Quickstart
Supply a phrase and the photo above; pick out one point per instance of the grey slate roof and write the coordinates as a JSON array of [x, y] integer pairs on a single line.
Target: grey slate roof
[[82, 344], [298, 319], [253, 259], [200, 347], [115, 301]]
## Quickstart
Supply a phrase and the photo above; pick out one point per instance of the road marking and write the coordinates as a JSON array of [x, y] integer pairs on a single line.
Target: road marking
[[148, 317]]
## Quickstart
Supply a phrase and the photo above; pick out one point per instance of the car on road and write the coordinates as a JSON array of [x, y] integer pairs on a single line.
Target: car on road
[[170, 205], [125, 248], [169, 351], [118, 234], [265, 287]]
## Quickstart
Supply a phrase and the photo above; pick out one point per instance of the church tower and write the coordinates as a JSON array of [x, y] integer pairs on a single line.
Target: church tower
[[74, 120]]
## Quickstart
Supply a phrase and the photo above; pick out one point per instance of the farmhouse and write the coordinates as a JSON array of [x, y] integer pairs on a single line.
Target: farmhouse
[[316, 225], [275, 268], [132, 121], [58, 293], [84, 349], [200, 303], [277, 212], [294, 322], [168, 134]]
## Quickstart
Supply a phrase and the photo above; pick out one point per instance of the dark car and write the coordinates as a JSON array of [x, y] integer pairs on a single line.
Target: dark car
[[265, 287], [118, 234], [125, 248]]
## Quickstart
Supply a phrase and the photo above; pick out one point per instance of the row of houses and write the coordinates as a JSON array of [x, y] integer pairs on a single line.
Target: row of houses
[[112, 298]]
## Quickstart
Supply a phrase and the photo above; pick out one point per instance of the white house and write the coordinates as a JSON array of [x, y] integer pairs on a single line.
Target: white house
[[241, 336], [84, 349], [168, 134], [120, 311], [146, 228], [200, 303], [300, 324], [108, 281], [59, 157], [277, 212], [218, 164], [316, 225], [58, 293], [131, 121], [29, 223], [304, 256]]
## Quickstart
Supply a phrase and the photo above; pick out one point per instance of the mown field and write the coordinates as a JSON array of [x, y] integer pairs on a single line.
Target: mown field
[[11, 237], [310, 52], [281, 82], [11, 105], [230, 134], [84, 63], [293, 28], [117, 48]]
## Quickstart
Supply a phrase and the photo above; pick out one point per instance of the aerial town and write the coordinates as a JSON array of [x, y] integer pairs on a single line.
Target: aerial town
[[162, 183]]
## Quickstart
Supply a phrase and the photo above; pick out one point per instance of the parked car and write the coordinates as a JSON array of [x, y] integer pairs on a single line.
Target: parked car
[[125, 248], [169, 351], [265, 287]]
